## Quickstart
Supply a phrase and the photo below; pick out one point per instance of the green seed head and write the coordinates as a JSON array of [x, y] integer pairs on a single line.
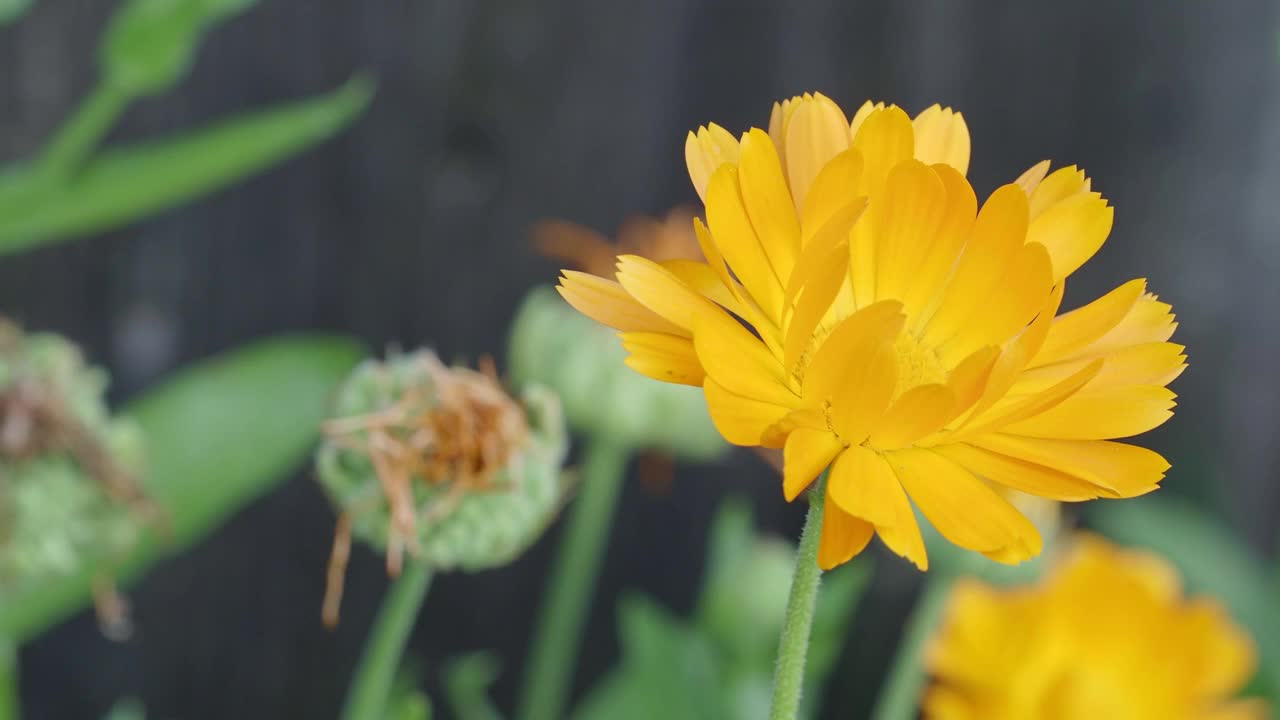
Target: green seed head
[[441, 463], [69, 498]]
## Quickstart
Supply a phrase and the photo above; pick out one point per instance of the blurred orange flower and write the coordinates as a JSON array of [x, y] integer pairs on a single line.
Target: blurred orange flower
[[1107, 635]]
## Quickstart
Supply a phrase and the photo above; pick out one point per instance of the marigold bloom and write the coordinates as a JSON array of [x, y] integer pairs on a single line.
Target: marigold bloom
[[860, 311], [1107, 635]]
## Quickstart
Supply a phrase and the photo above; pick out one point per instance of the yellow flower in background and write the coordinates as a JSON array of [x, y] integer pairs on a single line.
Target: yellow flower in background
[[859, 310], [1106, 635]]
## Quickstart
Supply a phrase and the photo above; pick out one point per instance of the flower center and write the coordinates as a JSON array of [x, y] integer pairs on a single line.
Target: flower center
[[918, 364]]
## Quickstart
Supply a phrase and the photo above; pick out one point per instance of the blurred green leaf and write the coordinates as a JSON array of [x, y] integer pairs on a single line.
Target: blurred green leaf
[[405, 701], [124, 184], [127, 709], [219, 435], [668, 670], [1211, 557], [9, 705], [737, 558], [415, 706], [149, 45], [467, 681], [721, 666], [838, 597], [11, 10]]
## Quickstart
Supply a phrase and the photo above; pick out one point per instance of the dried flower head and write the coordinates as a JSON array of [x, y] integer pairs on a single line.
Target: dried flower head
[[69, 492], [440, 463]]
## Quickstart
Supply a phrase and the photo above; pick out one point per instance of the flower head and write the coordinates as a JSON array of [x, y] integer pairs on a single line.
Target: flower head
[[70, 497], [861, 311], [441, 463], [1106, 635]]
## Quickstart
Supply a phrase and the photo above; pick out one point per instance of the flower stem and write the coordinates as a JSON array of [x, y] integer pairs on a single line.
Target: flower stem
[[553, 655], [367, 698], [77, 138], [900, 696], [788, 677], [9, 706]]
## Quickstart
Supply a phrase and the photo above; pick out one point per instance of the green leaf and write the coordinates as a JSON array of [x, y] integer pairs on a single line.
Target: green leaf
[[1211, 557], [405, 701], [127, 709], [124, 184], [668, 670], [467, 681], [11, 10], [219, 435], [150, 45], [721, 665]]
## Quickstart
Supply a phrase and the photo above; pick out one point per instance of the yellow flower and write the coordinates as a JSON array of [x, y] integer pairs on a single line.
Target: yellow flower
[[1107, 635], [859, 310]]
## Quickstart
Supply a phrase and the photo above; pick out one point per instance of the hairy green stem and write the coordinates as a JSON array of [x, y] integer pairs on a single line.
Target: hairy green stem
[[793, 648], [900, 696], [80, 135], [367, 697], [9, 705], [557, 635]]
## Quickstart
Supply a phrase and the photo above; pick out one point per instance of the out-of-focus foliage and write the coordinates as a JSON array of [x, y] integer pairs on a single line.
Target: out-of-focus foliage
[[150, 45], [411, 706], [72, 189], [1213, 560], [128, 709], [720, 663], [405, 701], [124, 184], [467, 680], [553, 345], [11, 10], [219, 435]]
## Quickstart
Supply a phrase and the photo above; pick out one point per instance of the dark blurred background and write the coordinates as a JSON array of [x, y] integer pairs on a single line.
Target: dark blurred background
[[411, 229]]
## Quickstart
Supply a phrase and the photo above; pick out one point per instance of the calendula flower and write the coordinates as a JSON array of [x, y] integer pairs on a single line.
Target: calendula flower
[[1106, 635], [859, 310]]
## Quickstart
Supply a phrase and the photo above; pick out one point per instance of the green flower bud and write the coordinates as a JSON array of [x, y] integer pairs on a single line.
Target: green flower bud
[[582, 361], [150, 44], [68, 494], [441, 463]]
